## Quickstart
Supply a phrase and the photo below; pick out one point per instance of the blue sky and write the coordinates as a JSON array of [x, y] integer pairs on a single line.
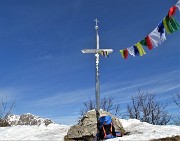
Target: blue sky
[[43, 70]]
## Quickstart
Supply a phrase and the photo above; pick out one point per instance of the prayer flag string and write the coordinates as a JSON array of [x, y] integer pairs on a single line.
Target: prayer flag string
[[168, 25]]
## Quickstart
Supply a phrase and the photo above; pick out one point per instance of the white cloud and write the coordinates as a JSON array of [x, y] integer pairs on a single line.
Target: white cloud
[[121, 92], [10, 93], [160, 84], [64, 98]]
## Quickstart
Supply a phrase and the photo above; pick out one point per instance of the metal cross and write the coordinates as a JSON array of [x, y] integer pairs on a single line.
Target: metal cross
[[96, 21], [97, 51]]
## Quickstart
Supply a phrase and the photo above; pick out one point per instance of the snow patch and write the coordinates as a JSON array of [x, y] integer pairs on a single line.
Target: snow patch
[[138, 131], [145, 131]]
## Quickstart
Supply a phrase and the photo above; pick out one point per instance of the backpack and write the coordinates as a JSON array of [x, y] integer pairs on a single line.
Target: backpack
[[106, 128]]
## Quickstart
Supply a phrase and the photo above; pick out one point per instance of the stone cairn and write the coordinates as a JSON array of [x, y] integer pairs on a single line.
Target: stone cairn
[[86, 129]]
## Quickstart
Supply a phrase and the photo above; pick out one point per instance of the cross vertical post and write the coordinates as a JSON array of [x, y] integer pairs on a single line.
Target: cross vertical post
[[97, 51], [97, 70]]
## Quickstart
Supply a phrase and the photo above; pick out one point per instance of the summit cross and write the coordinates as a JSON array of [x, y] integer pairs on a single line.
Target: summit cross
[[97, 51], [96, 21]]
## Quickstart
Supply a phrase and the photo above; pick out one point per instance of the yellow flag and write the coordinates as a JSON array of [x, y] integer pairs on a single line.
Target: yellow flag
[[140, 49], [122, 53]]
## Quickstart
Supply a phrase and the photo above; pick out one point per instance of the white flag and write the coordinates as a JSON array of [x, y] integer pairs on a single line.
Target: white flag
[[178, 5], [158, 35], [131, 51]]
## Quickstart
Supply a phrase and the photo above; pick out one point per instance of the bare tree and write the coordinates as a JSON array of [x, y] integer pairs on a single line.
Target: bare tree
[[146, 108], [5, 111], [106, 104], [176, 120], [176, 100], [89, 105]]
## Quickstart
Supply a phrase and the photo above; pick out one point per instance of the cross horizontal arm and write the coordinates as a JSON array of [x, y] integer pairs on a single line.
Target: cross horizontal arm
[[96, 50]]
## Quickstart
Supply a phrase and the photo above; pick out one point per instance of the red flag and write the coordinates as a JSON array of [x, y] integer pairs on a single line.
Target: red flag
[[172, 11], [125, 53], [149, 43]]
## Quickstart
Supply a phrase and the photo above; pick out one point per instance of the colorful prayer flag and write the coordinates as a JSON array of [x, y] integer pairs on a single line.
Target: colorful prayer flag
[[124, 53], [140, 49], [149, 42], [131, 51], [158, 35]]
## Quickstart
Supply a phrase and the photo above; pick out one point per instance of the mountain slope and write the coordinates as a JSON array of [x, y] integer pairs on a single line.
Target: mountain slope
[[27, 119]]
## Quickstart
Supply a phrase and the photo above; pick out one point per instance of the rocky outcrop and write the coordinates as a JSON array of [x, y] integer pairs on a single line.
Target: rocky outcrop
[[4, 123], [27, 119], [86, 129]]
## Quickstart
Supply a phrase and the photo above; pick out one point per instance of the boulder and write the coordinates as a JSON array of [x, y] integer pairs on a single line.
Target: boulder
[[86, 129]]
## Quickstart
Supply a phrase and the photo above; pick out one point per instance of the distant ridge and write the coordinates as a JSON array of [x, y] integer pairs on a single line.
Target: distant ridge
[[28, 119]]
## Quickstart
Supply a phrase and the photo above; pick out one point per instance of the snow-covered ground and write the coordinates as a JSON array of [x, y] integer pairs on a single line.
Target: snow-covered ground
[[138, 131], [144, 131], [24, 132]]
